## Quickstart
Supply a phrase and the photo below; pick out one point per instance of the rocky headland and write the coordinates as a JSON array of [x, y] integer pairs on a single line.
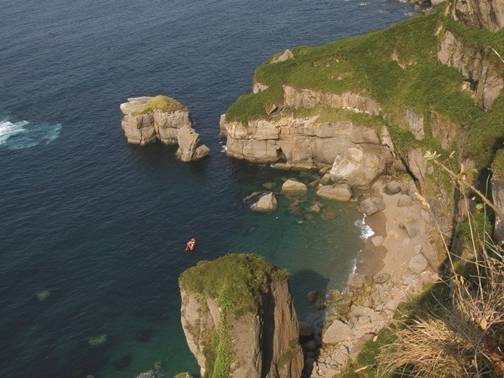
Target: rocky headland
[[374, 115], [161, 118], [239, 319]]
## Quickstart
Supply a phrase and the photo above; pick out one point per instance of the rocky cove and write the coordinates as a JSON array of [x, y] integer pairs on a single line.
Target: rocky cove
[[380, 149]]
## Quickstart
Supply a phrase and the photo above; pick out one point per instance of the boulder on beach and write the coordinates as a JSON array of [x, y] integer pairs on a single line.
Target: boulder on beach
[[266, 204], [392, 187], [337, 192], [371, 205], [292, 186]]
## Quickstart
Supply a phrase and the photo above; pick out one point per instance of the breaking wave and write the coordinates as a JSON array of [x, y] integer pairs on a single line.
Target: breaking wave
[[365, 230], [17, 135]]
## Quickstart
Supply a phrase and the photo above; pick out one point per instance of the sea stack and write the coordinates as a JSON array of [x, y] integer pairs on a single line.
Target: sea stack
[[239, 319], [162, 118]]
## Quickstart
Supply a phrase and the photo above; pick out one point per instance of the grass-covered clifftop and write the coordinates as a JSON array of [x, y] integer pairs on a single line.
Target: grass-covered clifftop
[[162, 103], [399, 68], [235, 281]]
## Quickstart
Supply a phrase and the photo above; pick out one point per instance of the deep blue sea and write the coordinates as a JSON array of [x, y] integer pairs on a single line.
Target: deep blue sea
[[92, 230]]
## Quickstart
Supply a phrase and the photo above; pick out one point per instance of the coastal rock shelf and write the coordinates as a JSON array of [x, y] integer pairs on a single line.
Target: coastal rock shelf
[[239, 319], [162, 118]]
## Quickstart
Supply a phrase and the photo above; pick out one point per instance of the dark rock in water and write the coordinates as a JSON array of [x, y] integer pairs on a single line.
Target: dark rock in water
[[123, 362], [144, 335], [269, 185], [312, 296], [251, 229], [310, 345], [305, 330], [329, 214]]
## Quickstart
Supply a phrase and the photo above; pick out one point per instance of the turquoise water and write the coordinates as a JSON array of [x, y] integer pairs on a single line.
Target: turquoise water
[[96, 227]]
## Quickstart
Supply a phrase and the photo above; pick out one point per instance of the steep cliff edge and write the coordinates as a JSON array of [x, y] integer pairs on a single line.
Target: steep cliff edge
[[382, 104], [239, 319], [161, 118]]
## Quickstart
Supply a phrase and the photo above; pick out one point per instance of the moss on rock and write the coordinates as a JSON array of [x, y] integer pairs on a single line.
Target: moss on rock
[[234, 281], [162, 103]]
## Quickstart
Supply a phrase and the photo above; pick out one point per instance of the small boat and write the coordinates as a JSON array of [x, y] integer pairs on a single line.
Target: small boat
[[191, 245]]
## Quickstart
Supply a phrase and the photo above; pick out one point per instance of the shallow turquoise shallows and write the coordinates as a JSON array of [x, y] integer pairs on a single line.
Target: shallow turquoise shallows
[[92, 231]]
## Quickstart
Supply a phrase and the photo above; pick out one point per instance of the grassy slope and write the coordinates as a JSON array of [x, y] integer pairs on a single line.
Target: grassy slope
[[364, 64]]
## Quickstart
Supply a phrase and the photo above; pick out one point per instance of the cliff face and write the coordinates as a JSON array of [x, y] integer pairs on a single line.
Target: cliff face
[[150, 119], [356, 151], [479, 66], [486, 14], [239, 319]]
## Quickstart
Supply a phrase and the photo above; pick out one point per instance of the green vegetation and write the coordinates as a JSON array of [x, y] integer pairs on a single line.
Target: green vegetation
[[398, 67], [434, 299], [234, 281], [498, 163], [162, 103]]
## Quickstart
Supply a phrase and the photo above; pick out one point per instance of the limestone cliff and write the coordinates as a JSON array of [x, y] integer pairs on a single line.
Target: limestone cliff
[[239, 320], [161, 118]]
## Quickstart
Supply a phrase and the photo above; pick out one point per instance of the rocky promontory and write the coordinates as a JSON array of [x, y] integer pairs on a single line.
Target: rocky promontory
[[161, 118], [388, 119], [239, 319]]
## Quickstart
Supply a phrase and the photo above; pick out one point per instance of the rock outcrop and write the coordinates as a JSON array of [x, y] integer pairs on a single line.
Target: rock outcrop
[[239, 319], [485, 14], [479, 66], [161, 118]]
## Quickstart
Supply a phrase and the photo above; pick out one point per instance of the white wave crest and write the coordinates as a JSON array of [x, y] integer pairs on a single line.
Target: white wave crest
[[366, 231], [16, 135]]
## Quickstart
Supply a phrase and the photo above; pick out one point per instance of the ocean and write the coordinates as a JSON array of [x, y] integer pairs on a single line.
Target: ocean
[[92, 230]]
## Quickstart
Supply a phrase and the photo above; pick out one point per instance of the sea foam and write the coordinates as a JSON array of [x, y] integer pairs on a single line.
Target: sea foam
[[17, 135], [366, 231]]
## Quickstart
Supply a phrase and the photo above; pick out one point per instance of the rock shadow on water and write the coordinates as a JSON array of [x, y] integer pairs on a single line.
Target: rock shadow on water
[[309, 289]]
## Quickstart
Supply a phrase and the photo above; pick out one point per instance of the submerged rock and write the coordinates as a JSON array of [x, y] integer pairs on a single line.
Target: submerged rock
[[161, 118], [98, 340], [292, 186], [43, 295], [238, 310], [337, 192]]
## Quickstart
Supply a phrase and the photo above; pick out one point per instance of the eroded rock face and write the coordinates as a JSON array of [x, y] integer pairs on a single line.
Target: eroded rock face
[[479, 67], [485, 14], [261, 341], [355, 151], [307, 98], [143, 125]]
